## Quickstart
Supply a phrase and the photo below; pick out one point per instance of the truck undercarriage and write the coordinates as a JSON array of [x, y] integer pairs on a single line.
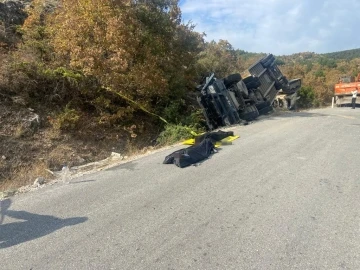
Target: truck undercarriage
[[240, 98]]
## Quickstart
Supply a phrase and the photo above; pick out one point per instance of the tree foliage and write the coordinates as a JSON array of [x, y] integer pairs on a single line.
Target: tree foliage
[[307, 97], [218, 57], [327, 62], [137, 49]]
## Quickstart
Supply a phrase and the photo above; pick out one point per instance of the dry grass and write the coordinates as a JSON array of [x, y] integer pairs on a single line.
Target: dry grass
[[28, 156], [25, 175]]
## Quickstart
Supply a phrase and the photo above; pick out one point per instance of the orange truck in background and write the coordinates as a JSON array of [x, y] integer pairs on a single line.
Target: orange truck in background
[[343, 90]]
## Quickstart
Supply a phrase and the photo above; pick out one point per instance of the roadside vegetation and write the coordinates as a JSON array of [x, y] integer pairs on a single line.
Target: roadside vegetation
[[83, 79]]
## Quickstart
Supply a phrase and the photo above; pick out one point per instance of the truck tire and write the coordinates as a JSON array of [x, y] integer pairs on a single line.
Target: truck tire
[[227, 121], [268, 64], [250, 113], [248, 79], [262, 105], [275, 103], [265, 110], [268, 61], [284, 103], [232, 79], [254, 84]]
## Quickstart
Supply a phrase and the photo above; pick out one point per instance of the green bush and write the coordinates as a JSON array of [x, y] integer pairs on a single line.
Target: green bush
[[67, 120], [307, 97], [319, 73], [172, 112], [174, 133], [327, 62], [279, 62]]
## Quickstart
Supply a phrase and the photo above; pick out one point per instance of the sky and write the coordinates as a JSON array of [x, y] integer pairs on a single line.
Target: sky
[[281, 27]]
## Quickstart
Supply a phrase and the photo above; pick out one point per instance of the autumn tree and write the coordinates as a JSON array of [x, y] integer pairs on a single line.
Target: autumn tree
[[35, 39], [218, 57], [138, 50]]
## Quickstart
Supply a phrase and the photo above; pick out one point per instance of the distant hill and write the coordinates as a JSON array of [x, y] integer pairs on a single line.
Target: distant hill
[[302, 57], [340, 55], [344, 55]]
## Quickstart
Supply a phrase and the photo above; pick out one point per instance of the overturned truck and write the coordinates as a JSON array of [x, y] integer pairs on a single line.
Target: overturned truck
[[243, 97]]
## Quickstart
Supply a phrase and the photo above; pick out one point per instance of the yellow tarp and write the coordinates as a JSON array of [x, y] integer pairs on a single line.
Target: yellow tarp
[[227, 140]]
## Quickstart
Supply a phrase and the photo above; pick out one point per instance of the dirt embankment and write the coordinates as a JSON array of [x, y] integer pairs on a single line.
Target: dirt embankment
[[30, 144], [30, 147]]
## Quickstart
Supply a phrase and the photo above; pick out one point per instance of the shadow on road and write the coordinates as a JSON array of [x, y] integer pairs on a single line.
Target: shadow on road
[[33, 225]]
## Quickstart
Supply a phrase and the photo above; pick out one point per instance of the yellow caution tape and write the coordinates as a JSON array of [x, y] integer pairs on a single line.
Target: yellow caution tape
[[136, 104], [145, 110], [230, 138]]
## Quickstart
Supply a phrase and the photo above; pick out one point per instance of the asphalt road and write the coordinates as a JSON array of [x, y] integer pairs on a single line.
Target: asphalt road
[[286, 195]]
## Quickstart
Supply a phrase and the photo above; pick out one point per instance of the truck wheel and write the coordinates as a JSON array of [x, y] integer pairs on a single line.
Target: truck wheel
[[265, 110], [268, 61], [283, 103], [253, 85], [249, 113], [275, 103], [232, 79], [263, 105], [248, 80], [227, 122]]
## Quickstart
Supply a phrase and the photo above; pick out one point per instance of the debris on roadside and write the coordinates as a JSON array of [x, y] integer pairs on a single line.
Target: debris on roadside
[[203, 146], [191, 155], [39, 181], [7, 193]]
